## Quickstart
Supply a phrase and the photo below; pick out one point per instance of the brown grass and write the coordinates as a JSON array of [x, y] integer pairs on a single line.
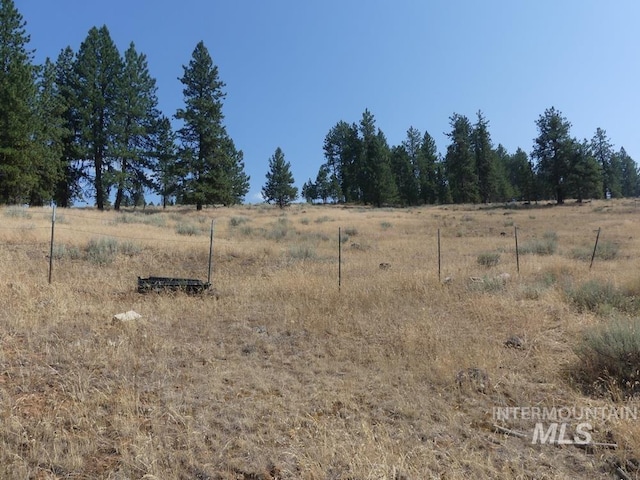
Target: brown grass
[[274, 373]]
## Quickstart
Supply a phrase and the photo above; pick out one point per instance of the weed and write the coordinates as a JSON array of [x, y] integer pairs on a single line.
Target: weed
[[610, 357], [385, 225], [489, 259], [188, 229], [102, 251]]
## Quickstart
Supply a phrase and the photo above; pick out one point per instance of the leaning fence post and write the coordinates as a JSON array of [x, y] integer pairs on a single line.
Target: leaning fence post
[[339, 258], [53, 223], [515, 233], [439, 261], [594, 249], [210, 253]]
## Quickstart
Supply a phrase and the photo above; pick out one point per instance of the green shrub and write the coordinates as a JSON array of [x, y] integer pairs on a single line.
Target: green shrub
[[302, 252], [237, 221], [17, 212], [487, 284], [304, 221], [610, 357], [188, 229], [279, 230], [129, 248], [63, 251], [102, 251], [351, 231], [547, 245], [385, 225], [599, 296], [604, 251], [323, 219], [489, 259]]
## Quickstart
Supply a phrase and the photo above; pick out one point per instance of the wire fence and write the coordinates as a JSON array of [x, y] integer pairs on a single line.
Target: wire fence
[[60, 225]]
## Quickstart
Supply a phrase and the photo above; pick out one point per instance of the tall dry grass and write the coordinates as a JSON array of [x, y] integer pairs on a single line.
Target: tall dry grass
[[277, 373]]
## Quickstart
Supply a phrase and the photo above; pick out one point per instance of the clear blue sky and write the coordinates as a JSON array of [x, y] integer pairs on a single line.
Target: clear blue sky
[[294, 68]]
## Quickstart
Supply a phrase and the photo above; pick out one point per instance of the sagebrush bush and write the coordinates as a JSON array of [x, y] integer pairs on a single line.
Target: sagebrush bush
[[547, 245], [102, 251], [604, 251], [237, 221], [302, 252], [610, 357], [188, 229], [599, 296], [488, 259]]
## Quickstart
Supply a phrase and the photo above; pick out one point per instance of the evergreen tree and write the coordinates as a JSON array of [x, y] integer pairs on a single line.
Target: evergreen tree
[[375, 178], [484, 159], [429, 183], [521, 175], [602, 150], [630, 186], [49, 131], [166, 173], [137, 117], [342, 148], [17, 93], [69, 186], [403, 171], [553, 150], [309, 191], [585, 177], [214, 169], [98, 70], [279, 187], [504, 189], [460, 162]]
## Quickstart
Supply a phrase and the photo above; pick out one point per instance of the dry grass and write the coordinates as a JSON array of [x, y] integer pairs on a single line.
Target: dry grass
[[277, 374]]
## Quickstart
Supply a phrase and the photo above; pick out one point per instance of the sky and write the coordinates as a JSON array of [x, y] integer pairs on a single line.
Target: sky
[[295, 68]]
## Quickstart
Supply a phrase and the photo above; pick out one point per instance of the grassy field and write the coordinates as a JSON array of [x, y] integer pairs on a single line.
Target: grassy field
[[276, 373]]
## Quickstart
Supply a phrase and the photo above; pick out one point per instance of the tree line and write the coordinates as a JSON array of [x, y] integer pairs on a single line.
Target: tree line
[[87, 125], [362, 167]]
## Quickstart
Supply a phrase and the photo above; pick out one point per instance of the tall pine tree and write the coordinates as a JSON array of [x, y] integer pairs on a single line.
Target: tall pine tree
[[213, 168], [460, 162], [553, 149], [138, 115], [18, 177], [98, 70]]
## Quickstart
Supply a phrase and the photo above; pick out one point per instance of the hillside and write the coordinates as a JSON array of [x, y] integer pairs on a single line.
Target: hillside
[[277, 373]]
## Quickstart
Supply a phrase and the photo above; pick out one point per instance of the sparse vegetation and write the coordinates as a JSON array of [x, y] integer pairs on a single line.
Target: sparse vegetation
[[489, 259], [276, 373], [610, 358], [547, 245]]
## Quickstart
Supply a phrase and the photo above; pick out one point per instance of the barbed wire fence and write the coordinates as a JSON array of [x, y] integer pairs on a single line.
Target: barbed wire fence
[[57, 225]]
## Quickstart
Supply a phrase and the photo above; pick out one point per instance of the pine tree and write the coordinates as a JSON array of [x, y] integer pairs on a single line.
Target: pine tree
[[553, 150], [342, 153], [18, 175], [214, 169], [137, 117], [484, 159], [460, 162], [165, 168], [98, 70], [602, 150], [585, 177], [375, 179], [428, 181], [69, 186], [279, 187], [49, 131], [630, 176]]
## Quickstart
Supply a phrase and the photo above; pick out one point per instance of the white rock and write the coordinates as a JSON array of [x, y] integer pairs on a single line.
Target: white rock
[[127, 316]]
